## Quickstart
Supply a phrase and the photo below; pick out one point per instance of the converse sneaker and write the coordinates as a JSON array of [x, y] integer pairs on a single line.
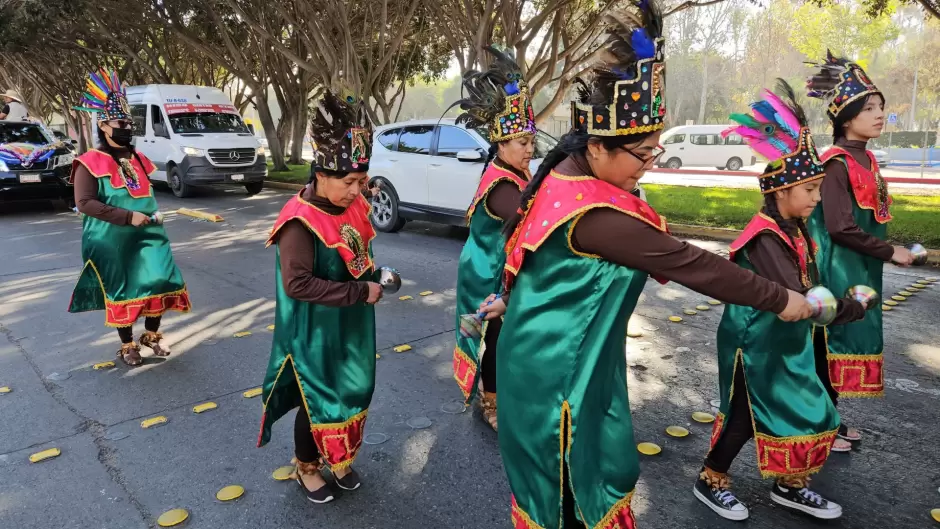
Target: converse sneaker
[[713, 490], [805, 500]]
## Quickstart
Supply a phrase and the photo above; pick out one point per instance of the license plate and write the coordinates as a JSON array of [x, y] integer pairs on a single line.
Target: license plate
[[30, 179], [238, 177]]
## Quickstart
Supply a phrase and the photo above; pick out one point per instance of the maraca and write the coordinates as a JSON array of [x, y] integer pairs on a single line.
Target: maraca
[[388, 279], [471, 325], [824, 305], [920, 254], [864, 294], [156, 218]]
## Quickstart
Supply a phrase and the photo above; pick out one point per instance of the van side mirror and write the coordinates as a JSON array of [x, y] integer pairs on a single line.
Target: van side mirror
[[159, 129], [251, 127], [469, 156]]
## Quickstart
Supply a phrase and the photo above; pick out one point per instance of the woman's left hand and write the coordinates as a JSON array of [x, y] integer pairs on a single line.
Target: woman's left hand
[[492, 308]]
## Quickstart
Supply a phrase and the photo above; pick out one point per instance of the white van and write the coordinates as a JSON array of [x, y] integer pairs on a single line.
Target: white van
[[195, 137], [703, 146]]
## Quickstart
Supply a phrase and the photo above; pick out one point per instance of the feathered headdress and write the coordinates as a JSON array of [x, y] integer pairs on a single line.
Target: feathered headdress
[[777, 129], [105, 94], [839, 82], [497, 98], [341, 133], [625, 93]]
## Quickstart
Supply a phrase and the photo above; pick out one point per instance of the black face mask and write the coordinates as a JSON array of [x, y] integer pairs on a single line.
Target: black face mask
[[122, 137]]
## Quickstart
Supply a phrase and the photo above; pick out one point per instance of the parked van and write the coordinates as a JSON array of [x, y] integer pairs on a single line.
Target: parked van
[[195, 137], [703, 146]]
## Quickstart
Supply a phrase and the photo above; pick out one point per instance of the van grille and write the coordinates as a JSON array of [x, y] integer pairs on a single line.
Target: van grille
[[232, 156]]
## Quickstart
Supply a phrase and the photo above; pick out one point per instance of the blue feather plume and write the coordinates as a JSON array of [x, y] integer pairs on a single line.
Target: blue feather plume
[[642, 44]]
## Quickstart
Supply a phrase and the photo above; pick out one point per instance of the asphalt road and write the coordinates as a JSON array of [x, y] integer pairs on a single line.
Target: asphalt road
[[114, 474]]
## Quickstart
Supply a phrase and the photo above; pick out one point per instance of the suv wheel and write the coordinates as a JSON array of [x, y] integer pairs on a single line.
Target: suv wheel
[[385, 209], [735, 164], [254, 188], [179, 188], [674, 163]]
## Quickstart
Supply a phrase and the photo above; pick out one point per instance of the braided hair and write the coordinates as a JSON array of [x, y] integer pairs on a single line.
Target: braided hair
[[490, 156], [792, 227], [574, 142]]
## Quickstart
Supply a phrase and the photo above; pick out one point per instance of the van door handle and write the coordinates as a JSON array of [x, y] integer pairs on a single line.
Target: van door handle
[[681, 148], [392, 160], [434, 164]]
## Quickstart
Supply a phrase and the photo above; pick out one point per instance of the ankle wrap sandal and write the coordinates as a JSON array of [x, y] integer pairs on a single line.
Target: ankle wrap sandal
[[488, 407], [715, 480], [129, 353], [322, 495], [152, 340]]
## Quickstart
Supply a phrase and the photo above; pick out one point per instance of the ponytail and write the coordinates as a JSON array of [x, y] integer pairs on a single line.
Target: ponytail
[[490, 156], [574, 142]]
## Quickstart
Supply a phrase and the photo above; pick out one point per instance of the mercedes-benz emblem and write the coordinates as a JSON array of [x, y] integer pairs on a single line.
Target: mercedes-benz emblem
[[233, 156]]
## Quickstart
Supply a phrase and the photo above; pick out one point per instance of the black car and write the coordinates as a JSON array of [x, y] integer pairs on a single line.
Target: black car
[[23, 179]]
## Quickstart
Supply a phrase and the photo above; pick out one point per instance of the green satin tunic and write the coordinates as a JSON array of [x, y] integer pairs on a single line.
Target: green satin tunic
[[563, 385]]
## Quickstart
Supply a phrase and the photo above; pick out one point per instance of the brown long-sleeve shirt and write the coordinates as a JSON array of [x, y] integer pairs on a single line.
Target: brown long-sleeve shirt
[[298, 250], [774, 261], [503, 200], [837, 200], [630, 242], [86, 196]]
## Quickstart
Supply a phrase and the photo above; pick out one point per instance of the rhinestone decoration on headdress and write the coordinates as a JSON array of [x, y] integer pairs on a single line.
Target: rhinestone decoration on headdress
[[105, 95], [839, 82], [777, 129], [626, 92], [341, 133], [497, 98]]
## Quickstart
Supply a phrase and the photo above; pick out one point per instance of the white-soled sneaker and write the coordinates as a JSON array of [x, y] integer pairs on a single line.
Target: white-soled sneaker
[[721, 500], [805, 500]]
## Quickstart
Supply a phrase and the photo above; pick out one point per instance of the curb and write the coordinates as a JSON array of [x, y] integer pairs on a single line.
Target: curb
[[729, 235], [283, 185]]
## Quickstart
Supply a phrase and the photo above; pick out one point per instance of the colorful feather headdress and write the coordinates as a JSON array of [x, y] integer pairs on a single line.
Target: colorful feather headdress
[[839, 82], [777, 129], [341, 133], [498, 98], [626, 91], [105, 94]]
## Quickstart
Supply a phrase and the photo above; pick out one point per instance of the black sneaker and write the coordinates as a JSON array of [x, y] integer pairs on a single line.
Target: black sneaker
[[322, 495], [720, 500], [805, 500], [349, 481]]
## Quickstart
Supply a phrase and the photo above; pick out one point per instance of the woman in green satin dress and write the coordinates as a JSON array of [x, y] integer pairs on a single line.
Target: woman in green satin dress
[[577, 263], [498, 99]]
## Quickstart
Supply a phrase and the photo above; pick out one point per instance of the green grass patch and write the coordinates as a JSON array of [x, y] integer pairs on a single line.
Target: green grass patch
[[916, 218], [298, 174]]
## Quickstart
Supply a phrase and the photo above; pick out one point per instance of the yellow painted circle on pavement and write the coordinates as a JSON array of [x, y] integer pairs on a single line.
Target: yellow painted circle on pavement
[[283, 473], [690, 312], [702, 307], [887, 308], [923, 282], [904, 293], [714, 302], [935, 514], [232, 492], [899, 298], [649, 449], [174, 517], [675, 319], [891, 303], [701, 416], [918, 286], [677, 431]]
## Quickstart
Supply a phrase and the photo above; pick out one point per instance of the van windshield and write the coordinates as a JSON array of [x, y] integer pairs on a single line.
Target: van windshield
[[207, 122]]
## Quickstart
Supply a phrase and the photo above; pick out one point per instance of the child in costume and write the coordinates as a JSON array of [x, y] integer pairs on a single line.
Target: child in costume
[[498, 99], [850, 228], [769, 372], [567, 438], [323, 355], [129, 270]]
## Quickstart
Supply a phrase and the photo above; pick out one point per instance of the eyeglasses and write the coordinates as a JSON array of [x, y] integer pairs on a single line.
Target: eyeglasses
[[121, 124], [655, 155]]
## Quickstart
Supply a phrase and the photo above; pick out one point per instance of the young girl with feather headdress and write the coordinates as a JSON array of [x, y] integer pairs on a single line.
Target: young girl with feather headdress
[[772, 380], [497, 100], [581, 250], [323, 355]]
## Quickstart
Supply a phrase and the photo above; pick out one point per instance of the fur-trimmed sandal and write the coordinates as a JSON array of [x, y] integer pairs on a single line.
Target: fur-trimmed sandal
[[152, 340], [129, 353]]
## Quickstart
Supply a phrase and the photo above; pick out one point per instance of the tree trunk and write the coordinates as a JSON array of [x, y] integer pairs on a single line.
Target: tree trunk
[[270, 131], [704, 99], [560, 97], [297, 136]]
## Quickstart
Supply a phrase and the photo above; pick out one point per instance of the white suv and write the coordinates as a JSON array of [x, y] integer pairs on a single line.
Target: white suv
[[430, 171]]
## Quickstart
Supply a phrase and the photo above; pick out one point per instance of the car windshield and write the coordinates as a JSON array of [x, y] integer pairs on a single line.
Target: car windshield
[[207, 122], [544, 142], [23, 133]]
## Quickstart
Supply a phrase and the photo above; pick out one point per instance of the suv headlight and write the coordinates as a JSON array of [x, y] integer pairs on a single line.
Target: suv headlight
[[192, 151], [3, 166], [65, 159]]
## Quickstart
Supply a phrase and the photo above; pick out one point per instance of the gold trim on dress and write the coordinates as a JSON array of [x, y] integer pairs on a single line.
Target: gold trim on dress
[[108, 301]]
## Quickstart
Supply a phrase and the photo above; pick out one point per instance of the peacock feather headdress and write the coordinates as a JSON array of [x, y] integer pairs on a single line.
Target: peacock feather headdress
[[341, 132], [839, 82], [497, 98], [625, 90], [105, 95], [777, 129]]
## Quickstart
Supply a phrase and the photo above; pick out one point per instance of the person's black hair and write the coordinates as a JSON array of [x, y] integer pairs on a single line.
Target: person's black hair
[[850, 112], [116, 152], [792, 227], [490, 155], [573, 142], [326, 172]]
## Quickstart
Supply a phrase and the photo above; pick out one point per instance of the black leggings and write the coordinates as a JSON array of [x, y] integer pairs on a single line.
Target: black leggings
[[304, 448], [488, 367], [152, 324], [737, 432], [822, 363]]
